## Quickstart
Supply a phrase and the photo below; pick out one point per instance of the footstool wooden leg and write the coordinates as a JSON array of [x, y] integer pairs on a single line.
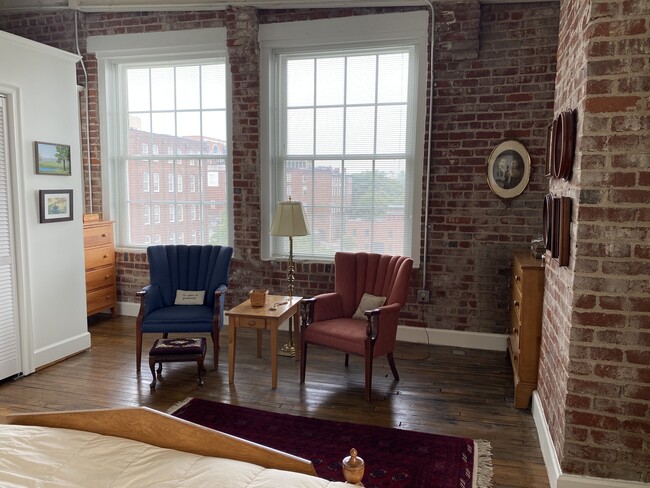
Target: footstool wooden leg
[[152, 367], [199, 364]]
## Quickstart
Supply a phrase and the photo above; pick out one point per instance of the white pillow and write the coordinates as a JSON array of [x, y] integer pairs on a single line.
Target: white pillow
[[189, 297], [368, 302]]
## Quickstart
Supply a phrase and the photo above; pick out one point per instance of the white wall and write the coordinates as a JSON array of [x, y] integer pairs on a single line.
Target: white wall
[[40, 82]]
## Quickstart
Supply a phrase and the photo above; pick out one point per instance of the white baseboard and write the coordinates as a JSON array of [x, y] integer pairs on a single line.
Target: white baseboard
[[453, 338], [555, 476], [418, 335], [61, 350]]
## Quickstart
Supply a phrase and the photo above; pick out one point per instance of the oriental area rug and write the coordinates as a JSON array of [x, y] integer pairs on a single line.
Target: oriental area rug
[[394, 458]]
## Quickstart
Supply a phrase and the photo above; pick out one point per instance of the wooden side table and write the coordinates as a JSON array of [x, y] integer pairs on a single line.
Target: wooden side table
[[260, 318]]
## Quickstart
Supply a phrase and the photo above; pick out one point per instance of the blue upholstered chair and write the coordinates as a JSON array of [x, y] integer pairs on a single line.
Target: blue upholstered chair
[[190, 268]]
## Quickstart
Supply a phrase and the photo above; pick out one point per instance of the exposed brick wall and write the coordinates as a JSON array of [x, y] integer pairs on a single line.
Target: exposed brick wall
[[595, 373], [494, 78]]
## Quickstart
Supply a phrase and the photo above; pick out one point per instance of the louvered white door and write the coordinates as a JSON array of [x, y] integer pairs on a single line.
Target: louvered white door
[[10, 363]]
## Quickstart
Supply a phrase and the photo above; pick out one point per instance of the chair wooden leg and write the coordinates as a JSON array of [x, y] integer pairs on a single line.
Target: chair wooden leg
[[303, 360], [347, 359], [138, 350], [215, 347], [391, 362], [370, 347], [368, 376]]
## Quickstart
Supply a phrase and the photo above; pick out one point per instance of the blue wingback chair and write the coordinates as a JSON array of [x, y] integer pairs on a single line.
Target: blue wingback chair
[[181, 267]]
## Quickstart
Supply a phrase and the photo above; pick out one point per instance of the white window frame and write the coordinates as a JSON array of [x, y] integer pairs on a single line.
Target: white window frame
[[409, 28], [114, 51]]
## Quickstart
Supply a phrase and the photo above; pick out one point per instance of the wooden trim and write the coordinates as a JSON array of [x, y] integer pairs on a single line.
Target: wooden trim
[[159, 429]]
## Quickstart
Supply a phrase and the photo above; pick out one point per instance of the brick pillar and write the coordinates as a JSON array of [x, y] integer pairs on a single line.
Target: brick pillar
[[243, 52], [595, 379]]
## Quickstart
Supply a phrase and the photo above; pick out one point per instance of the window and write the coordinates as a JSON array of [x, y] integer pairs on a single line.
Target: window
[[147, 216], [145, 182], [347, 138], [169, 96]]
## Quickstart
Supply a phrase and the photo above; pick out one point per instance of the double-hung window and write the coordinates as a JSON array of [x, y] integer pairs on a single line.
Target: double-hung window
[[345, 137], [169, 107]]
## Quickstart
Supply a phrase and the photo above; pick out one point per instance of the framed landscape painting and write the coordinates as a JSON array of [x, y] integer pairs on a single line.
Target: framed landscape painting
[[55, 205], [52, 159]]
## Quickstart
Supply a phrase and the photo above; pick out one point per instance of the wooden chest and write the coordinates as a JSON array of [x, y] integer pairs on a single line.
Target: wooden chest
[[99, 253], [527, 284]]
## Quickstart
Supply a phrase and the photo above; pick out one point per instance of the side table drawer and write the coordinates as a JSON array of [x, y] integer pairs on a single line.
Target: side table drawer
[[251, 323]]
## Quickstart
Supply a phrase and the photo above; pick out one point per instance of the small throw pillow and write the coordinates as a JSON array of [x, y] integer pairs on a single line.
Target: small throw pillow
[[189, 297], [368, 302]]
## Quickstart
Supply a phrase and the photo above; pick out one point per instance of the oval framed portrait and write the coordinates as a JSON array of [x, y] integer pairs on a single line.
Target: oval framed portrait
[[508, 169]]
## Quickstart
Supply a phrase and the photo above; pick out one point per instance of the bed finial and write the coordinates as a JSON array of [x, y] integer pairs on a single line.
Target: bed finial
[[353, 468]]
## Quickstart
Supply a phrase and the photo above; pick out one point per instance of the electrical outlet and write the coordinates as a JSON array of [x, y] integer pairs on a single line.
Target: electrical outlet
[[423, 296]]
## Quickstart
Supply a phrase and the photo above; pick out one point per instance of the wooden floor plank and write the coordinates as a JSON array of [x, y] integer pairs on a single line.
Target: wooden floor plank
[[443, 390]]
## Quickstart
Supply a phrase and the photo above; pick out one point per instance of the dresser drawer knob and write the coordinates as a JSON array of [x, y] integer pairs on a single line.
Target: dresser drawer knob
[[514, 331], [251, 323], [104, 235], [517, 278], [515, 303]]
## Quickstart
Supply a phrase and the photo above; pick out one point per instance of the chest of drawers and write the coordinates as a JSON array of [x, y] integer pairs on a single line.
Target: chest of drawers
[[527, 287], [99, 253]]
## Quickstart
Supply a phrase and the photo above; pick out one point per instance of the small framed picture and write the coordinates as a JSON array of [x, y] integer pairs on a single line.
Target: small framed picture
[[55, 205], [52, 159], [508, 169]]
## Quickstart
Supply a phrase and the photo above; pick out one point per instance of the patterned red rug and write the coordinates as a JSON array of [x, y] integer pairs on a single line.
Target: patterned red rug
[[394, 458]]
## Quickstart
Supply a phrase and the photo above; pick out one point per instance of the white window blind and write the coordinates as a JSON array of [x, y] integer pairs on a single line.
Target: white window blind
[[346, 132], [166, 99]]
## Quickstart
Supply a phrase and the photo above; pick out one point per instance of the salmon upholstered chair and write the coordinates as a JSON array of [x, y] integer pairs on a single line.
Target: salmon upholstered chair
[[360, 316], [189, 269]]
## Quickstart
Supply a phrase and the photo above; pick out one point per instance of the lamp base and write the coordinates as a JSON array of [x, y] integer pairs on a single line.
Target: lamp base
[[288, 350]]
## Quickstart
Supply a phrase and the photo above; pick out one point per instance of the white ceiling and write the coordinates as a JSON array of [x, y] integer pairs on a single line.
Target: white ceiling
[[161, 5]]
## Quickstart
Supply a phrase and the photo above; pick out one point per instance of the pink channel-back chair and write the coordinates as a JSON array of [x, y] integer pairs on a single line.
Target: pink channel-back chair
[[327, 319]]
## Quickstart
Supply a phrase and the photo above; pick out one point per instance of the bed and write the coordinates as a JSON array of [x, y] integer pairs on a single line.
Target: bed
[[139, 447]]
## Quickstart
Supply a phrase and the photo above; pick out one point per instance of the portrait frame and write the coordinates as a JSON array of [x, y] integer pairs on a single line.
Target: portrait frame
[[52, 159], [55, 205], [508, 169]]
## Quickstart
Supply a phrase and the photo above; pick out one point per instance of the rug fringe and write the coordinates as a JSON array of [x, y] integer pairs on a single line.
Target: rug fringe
[[178, 405], [482, 464]]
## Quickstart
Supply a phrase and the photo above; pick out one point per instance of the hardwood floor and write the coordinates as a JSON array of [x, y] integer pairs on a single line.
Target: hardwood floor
[[443, 390]]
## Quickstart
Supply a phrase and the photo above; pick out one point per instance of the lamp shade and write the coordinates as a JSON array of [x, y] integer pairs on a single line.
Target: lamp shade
[[289, 220]]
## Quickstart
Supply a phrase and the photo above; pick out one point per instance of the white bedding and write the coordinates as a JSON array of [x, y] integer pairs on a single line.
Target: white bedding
[[42, 457]]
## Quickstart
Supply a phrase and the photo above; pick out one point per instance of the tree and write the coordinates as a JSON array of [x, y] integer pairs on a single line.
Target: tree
[[63, 156]]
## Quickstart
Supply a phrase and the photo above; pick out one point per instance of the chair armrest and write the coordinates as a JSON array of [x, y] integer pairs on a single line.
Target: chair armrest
[[381, 318], [150, 300], [221, 290], [321, 307]]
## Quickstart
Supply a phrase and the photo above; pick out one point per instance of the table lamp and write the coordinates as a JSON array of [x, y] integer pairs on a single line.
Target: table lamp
[[289, 221]]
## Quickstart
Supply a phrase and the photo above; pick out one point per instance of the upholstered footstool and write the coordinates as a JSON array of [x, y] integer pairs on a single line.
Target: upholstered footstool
[[175, 351]]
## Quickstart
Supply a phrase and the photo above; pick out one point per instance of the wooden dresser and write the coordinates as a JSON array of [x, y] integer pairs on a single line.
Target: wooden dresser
[[99, 252], [525, 323]]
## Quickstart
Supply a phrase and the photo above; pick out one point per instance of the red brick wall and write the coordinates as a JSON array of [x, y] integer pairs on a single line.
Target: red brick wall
[[493, 81], [594, 371]]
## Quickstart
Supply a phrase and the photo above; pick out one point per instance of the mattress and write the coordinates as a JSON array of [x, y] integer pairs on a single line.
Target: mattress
[[43, 457]]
